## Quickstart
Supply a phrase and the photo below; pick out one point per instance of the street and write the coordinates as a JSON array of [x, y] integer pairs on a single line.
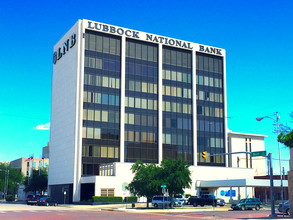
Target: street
[[87, 212]]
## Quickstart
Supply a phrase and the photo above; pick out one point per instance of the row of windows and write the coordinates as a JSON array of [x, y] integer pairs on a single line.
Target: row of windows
[[101, 98], [102, 44], [210, 111], [139, 86], [177, 139], [140, 137], [209, 63], [176, 76], [104, 81], [100, 133], [102, 64], [212, 142], [103, 116], [142, 103], [209, 81], [92, 133], [138, 119], [141, 51], [209, 96], [146, 152], [179, 123], [100, 151], [138, 69], [176, 57], [177, 107], [210, 126], [176, 91]]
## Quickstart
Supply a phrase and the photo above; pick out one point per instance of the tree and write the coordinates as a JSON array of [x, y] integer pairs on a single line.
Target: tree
[[176, 175], [146, 182], [38, 181], [149, 177], [287, 137], [15, 178]]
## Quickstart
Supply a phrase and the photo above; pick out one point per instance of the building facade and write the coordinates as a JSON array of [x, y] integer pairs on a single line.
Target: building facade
[[27, 165], [121, 95]]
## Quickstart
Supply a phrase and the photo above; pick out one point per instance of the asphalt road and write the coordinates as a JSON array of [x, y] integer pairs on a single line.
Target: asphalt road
[[25, 212]]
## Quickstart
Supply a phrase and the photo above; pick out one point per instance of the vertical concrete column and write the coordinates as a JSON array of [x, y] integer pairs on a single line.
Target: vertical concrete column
[[160, 104], [225, 108], [79, 114], [194, 112], [231, 198], [122, 99], [238, 193]]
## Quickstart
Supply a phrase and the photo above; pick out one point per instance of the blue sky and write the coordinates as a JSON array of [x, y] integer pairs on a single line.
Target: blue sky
[[256, 34]]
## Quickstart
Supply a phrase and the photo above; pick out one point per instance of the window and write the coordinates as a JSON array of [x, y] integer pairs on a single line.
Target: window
[[107, 192]]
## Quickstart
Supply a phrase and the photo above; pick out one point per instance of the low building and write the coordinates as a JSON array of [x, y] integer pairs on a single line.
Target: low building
[[27, 165]]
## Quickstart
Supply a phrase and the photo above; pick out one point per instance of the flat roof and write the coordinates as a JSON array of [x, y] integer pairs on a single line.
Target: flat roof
[[246, 134], [239, 183]]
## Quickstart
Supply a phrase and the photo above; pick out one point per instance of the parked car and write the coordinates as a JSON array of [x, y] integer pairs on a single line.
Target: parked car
[[32, 199], [203, 200], [160, 201], [177, 202], [182, 198], [220, 202], [249, 203], [46, 201], [286, 208]]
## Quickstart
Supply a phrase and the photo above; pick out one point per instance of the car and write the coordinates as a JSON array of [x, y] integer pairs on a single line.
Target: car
[[203, 200], [47, 201], [160, 201], [248, 203], [177, 202], [32, 199], [286, 208], [220, 202], [181, 198]]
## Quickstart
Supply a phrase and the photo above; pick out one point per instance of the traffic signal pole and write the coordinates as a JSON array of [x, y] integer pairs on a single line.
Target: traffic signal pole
[[269, 156]]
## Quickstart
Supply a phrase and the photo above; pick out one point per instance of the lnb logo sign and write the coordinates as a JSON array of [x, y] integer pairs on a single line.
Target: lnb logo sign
[[68, 44]]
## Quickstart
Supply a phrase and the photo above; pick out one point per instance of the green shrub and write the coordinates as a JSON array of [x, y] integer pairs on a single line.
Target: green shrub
[[10, 198], [107, 199], [131, 199]]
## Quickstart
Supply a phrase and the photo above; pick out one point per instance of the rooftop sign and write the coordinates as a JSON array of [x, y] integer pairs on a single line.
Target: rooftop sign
[[138, 35]]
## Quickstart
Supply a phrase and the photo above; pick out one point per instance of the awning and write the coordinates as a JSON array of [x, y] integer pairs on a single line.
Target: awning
[[239, 183]]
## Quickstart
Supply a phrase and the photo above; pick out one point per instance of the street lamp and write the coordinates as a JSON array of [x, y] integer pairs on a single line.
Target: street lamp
[[276, 119]]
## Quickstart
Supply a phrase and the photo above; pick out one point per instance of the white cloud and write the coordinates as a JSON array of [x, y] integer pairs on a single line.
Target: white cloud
[[43, 126]]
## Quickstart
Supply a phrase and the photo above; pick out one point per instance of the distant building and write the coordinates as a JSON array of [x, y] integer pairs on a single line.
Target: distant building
[[45, 152], [27, 165]]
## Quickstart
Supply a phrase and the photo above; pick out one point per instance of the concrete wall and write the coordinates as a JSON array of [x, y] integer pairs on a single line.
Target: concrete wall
[[64, 113], [238, 142]]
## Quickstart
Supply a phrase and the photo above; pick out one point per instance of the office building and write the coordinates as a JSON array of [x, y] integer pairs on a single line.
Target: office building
[[121, 95]]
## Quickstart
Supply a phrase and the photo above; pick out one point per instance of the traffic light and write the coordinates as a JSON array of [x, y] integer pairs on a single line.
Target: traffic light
[[204, 155]]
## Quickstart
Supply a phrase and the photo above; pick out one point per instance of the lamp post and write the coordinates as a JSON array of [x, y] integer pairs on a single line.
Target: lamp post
[[276, 119]]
